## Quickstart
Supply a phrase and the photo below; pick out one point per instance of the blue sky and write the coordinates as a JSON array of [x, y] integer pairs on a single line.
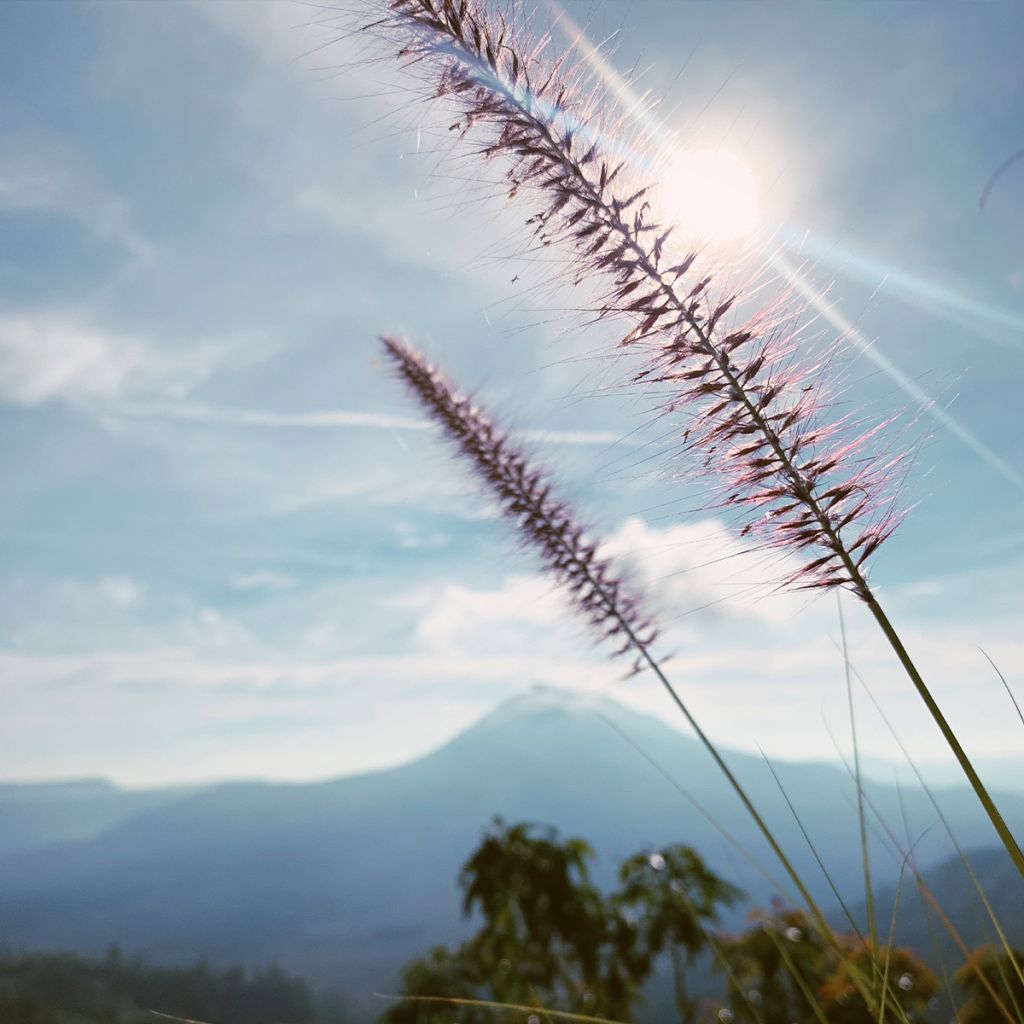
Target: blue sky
[[228, 547]]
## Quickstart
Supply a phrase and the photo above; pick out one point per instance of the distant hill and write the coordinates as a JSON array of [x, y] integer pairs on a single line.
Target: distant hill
[[919, 926], [42, 814], [344, 880], [1005, 773]]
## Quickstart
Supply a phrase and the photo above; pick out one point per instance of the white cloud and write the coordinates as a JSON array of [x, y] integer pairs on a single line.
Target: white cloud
[[52, 355], [410, 537], [263, 579], [191, 412], [335, 419], [64, 613], [210, 630], [80, 595], [715, 603], [769, 690], [700, 566], [121, 591], [44, 174], [461, 619], [85, 599], [752, 679]]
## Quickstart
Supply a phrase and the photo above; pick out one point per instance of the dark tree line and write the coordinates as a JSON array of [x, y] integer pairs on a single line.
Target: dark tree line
[[67, 989]]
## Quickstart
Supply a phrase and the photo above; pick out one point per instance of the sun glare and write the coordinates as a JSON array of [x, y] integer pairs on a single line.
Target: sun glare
[[711, 195]]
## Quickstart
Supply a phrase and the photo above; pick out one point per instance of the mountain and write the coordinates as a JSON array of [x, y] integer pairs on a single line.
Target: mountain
[[1005, 773], [344, 880], [949, 884], [42, 814]]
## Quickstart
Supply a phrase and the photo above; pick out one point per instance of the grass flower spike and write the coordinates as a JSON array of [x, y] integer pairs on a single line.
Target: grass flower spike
[[545, 523], [757, 420], [551, 527], [753, 411]]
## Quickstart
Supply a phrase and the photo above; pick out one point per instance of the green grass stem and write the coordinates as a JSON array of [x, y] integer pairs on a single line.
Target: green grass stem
[[869, 898], [1005, 835], [961, 853]]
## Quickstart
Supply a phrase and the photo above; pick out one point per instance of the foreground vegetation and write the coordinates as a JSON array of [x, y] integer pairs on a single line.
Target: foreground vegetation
[[548, 943], [754, 416], [551, 942]]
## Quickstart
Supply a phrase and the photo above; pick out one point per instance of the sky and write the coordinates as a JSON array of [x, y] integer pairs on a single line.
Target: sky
[[230, 547]]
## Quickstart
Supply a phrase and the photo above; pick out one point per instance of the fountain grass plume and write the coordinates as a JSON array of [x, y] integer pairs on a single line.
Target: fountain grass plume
[[550, 526], [524, 492], [806, 486], [811, 486]]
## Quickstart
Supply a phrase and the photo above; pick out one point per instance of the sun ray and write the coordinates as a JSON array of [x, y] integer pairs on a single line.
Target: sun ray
[[922, 293], [909, 387], [632, 105]]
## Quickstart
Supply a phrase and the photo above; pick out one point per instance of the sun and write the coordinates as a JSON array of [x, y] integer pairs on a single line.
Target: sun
[[710, 195]]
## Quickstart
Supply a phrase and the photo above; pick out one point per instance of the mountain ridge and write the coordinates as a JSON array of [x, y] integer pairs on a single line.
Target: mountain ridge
[[344, 879], [1002, 773]]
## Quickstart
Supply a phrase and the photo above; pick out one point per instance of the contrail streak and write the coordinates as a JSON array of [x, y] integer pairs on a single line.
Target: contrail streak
[[336, 419]]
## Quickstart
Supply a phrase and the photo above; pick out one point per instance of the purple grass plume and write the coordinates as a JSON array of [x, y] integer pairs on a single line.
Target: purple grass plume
[[525, 495], [550, 526], [810, 486], [803, 486]]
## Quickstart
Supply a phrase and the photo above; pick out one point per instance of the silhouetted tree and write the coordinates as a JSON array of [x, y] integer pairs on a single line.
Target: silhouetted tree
[[441, 974], [674, 898], [550, 938], [547, 931]]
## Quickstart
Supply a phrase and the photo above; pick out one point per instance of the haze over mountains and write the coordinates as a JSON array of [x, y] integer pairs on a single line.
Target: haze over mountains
[[345, 880]]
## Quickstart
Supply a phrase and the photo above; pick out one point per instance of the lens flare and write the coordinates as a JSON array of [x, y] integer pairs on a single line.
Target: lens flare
[[710, 195]]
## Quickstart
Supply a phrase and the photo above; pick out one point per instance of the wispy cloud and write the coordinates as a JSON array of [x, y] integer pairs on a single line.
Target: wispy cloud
[[335, 419], [58, 355], [263, 580], [52, 356], [330, 419], [41, 175]]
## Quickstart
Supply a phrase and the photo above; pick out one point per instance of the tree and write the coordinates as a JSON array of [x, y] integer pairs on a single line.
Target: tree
[[990, 979], [549, 938], [61, 988], [547, 930], [909, 982], [775, 969], [783, 972], [674, 898], [441, 974]]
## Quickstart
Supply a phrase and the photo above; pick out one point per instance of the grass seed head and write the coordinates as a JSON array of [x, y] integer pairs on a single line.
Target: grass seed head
[[758, 419], [525, 495]]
